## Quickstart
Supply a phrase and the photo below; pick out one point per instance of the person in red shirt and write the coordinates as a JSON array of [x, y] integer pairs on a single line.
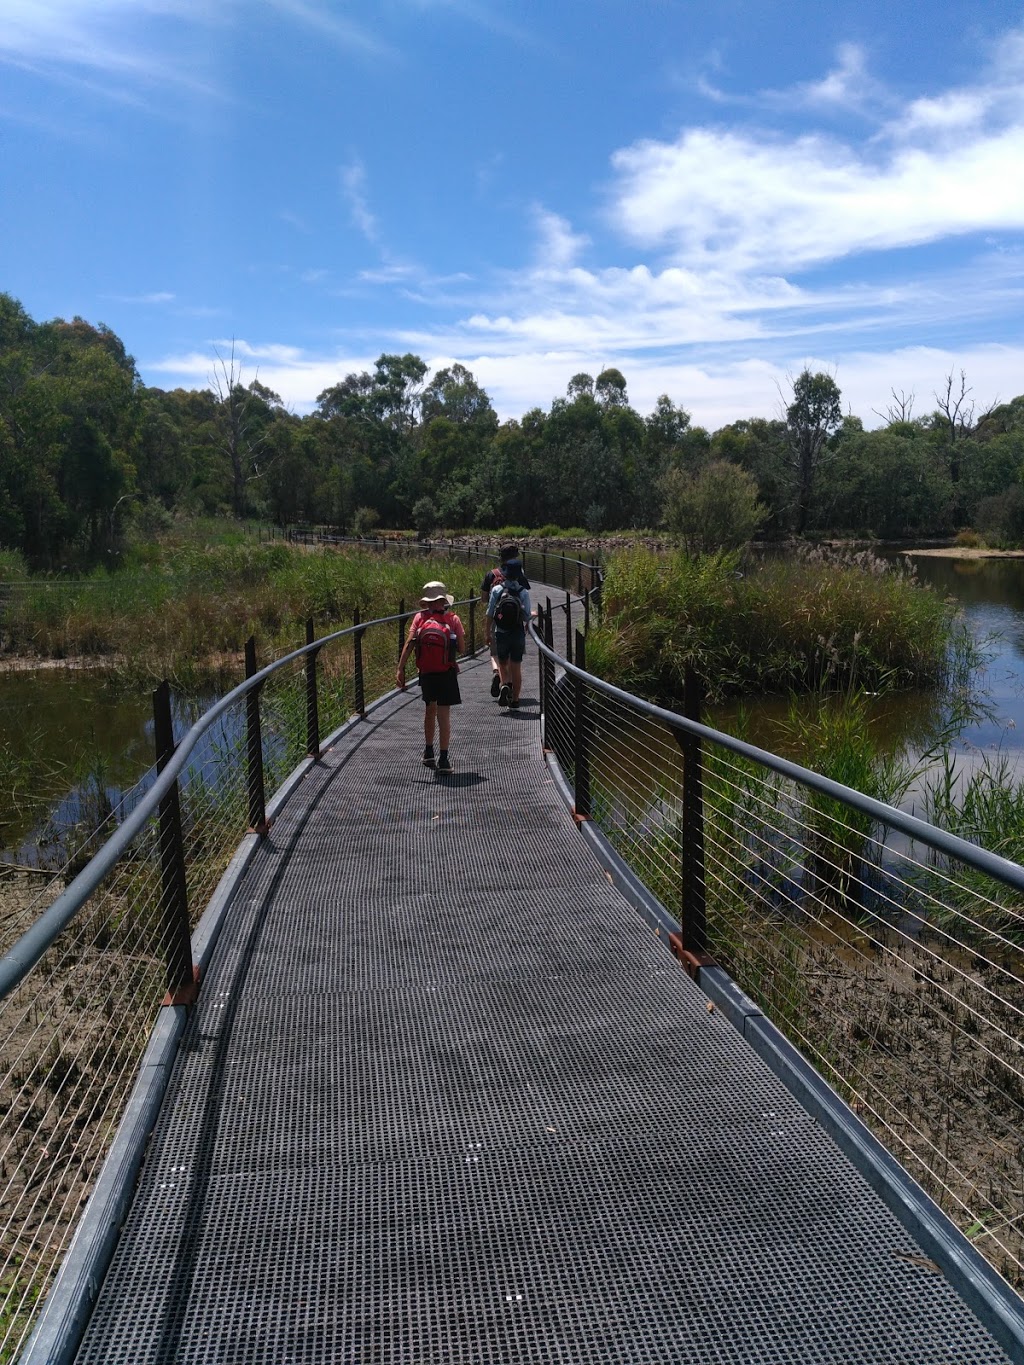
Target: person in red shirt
[[438, 638]]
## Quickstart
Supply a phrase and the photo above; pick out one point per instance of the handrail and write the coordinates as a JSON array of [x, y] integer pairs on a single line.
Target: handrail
[[30, 947], [1003, 869]]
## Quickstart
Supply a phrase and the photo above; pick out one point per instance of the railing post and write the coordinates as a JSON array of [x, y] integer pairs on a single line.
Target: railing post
[[561, 560], [254, 746], [312, 708], [542, 690], [581, 753], [568, 626], [175, 932], [549, 680], [586, 611], [357, 650], [694, 906]]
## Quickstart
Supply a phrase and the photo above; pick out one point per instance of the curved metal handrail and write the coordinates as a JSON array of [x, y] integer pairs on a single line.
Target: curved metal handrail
[[1002, 869], [26, 952]]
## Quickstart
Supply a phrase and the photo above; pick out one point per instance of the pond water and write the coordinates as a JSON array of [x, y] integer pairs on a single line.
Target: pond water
[[72, 745], [57, 726]]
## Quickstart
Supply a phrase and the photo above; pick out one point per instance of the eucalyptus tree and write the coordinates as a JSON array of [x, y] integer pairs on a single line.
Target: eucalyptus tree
[[812, 416]]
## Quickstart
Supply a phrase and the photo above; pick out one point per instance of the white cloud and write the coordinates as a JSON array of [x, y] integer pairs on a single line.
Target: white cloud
[[707, 301], [353, 186], [558, 246], [737, 202], [157, 297]]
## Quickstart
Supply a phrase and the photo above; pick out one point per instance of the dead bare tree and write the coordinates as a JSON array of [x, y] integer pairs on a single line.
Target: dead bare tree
[[899, 410]]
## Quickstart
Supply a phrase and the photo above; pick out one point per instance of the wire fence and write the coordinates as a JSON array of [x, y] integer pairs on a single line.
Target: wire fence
[[93, 953], [890, 954]]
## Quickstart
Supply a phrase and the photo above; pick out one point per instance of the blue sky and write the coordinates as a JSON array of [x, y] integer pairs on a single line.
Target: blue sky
[[707, 196]]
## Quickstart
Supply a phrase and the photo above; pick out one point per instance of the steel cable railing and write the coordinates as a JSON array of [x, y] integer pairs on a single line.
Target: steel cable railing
[[81, 986], [888, 951]]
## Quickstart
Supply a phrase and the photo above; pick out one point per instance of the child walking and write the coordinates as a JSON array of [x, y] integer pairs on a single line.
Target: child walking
[[437, 636]]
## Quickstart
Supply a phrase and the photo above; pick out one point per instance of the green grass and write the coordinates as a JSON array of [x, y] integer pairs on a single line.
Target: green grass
[[186, 614]]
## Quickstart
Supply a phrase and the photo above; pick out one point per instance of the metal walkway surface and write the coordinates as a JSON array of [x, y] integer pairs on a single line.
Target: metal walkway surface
[[446, 1098]]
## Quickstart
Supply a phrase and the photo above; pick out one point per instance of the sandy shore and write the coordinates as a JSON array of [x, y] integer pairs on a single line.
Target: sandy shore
[[963, 552]]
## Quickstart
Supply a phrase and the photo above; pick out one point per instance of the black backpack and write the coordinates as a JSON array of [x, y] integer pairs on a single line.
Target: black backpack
[[508, 610]]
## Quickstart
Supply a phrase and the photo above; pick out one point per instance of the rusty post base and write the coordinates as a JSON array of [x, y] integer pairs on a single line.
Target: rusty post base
[[185, 994]]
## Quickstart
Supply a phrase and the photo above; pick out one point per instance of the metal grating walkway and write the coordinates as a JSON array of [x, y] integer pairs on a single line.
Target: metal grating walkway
[[446, 1099]]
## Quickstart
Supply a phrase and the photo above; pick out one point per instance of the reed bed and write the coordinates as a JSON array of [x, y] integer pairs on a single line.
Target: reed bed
[[186, 616], [811, 620]]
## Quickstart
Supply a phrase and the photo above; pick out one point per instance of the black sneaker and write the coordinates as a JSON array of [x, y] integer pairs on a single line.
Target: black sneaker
[[505, 695], [443, 763], [514, 702], [495, 684], [428, 756]]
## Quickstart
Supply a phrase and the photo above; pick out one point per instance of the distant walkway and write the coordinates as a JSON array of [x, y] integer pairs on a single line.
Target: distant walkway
[[446, 1099]]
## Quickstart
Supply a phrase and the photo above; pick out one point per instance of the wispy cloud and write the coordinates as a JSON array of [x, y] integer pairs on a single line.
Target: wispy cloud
[[339, 30], [353, 188], [118, 39], [157, 297]]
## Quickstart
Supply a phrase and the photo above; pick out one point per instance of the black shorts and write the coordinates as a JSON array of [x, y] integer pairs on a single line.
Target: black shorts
[[441, 687], [509, 644]]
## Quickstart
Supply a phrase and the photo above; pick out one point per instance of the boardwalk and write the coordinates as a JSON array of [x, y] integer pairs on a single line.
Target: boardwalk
[[445, 1098]]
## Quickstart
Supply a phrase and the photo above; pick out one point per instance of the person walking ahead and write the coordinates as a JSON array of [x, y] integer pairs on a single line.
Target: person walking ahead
[[437, 636], [491, 577], [508, 614]]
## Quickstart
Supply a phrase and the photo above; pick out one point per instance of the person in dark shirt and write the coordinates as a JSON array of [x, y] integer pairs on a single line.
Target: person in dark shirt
[[492, 576]]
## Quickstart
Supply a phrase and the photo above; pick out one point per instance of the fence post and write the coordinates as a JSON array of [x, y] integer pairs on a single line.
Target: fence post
[[312, 709], [694, 904], [568, 626], [549, 680], [357, 650], [175, 932], [542, 691], [586, 611], [254, 746], [561, 560], [581, 754]]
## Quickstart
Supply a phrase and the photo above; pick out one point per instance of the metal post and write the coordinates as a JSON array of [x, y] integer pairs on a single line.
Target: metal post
[[581, 754], [357, 649], [586, 611], [561, 560], [254, 746], [549, 683], [694, 905], [175, 932], [568, 626], [312, 709], [541, 671]]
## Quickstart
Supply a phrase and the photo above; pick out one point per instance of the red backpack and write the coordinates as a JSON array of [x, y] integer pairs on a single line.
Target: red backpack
[[434, 641]]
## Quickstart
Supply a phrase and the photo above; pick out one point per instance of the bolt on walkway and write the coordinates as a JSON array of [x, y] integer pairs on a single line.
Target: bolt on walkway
[[446, 1098]]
